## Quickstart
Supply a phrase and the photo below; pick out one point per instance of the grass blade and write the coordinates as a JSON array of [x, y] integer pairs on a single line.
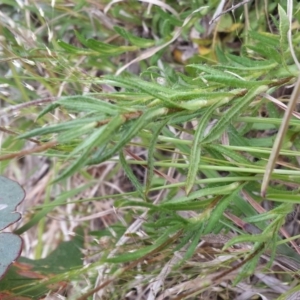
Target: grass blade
[[233, 112], [279, 138], [195, 153]]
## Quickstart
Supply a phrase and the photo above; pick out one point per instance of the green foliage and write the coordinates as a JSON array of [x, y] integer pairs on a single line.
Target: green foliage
[[10, 244], [183, 148]]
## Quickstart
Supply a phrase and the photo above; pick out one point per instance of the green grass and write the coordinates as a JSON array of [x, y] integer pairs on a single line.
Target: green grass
[[176, 174]]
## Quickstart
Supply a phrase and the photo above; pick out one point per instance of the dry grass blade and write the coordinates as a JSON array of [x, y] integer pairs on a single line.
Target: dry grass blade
[[22, 153], [219, 11], [280, 136], [159, 280], [152, 2], [288, 113], [294, 296], [37, 102], [281, 105]]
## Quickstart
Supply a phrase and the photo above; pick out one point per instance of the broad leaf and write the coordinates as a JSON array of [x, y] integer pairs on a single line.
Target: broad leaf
[[11, 194], [34, 278], [10, 249], [10, 197]]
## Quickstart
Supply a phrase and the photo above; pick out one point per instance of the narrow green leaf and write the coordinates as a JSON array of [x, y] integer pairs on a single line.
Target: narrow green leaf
[[265, 38], [201, 94], [91, 141], [229, 153], [219, 209], [72, 49], [236, 139], [165, 15], [234, 111], [210, 70], [251, 64], [134, 40], [100, 137], [279, 211], [136, 98], [250, 71], [189, 232], [221, 55], [78, 163], [83, 103], [137, 83], [107, 49], [196, 104], [131, 256], [128, 171], [218, 190], [158, 91], [284, 26], [269, 52], [261, 217], [130, 203], [286, 198], [151, 149], [235, 82], [195, 153], [243, 238], [136, 126], [59, 127], [195, 241], [81, 39], [47, 109], [184, 116], [187, 205], [169, 220], [75, 132]]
